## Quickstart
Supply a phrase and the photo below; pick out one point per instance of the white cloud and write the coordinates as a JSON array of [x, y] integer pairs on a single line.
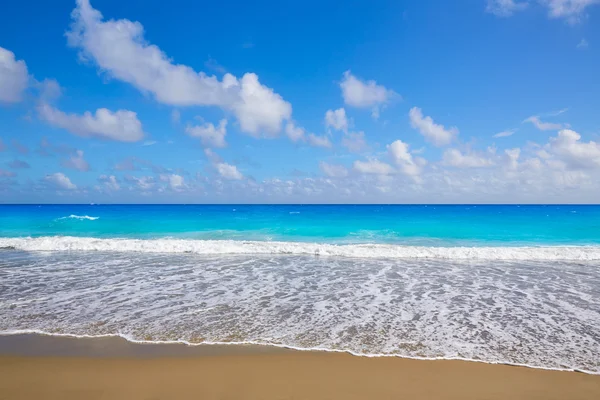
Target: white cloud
[[364, 94], [14, 78], [259, 109], [209, 135], [122, 125], [212, 156], [149, 143], [332, 170], [505, 133], [176, 182], [568, 148], [543, 126], [354, 141], [76, 161], [60, 180], [337, 120], [455, 158], [373, 167], [571, 10], [505, 8], [109, 182], [512, 158], [49, 89], [318, 141], [399, 152], [293, 132], [118, 48], [228, 171], [144, 183], [434, 133], [583, 44]]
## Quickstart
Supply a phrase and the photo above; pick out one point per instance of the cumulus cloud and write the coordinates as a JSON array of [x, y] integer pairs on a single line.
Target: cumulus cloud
[[505, 8], [298, 134], [543, 126], [511, 160], [365, 94], [119, 49], [568, 148], [122, 125], [209, 135], [318, 141], [373, 167], [76, 161], [455, 158], [333, 170], [336, 119], [175, 182], [228, 171], [293, 132], [49, 90], [60, 181], [109, 182], [354, 141], [437, 134], [143, 183], [14, 77], [400, 154]]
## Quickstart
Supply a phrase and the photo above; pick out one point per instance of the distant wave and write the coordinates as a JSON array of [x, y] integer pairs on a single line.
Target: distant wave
[[70, 243], [80, 217]]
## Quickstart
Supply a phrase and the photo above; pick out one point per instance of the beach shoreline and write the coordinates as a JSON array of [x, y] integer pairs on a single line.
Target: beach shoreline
[[41, 366]]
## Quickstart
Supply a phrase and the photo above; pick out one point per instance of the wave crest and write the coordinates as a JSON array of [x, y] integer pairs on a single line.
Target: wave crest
[[79, 217], [214, 247]]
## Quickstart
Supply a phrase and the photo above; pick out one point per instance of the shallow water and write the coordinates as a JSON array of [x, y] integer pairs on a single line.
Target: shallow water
[[532, 312], [414, 225]]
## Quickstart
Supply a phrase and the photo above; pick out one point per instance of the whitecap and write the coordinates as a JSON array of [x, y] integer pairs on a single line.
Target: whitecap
[[215, 247], [79, 217]]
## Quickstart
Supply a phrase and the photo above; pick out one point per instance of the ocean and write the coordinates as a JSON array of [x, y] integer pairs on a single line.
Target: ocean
[[491, 283]]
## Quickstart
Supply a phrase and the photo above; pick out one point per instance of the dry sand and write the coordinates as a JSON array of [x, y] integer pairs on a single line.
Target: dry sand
[[115, 369]]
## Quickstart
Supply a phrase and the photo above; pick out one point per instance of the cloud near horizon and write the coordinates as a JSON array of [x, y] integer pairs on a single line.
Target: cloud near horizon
[[174, 133]]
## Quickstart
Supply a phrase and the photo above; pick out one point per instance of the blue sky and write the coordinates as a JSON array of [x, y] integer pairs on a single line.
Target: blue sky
[[300, 102]]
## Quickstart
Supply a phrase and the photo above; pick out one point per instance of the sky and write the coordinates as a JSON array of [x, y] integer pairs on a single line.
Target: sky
[[474, 101]]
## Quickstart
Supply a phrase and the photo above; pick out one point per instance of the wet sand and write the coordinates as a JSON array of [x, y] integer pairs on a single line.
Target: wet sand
[[43, 367]]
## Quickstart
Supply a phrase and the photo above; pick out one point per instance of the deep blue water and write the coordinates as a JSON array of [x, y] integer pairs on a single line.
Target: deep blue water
[[398, 224]]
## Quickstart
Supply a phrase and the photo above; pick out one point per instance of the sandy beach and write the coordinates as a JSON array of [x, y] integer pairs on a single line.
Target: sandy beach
[[42, 367]]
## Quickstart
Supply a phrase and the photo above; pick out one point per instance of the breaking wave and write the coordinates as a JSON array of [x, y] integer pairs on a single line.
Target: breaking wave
[[79, 217], [214, 247]]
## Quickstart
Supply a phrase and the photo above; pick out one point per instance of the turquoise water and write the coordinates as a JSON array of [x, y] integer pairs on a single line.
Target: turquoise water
[[498, 284], [427, 225]]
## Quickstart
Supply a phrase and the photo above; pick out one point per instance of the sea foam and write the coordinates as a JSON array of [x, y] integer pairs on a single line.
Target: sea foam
[[79, 217], [215, 247]]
